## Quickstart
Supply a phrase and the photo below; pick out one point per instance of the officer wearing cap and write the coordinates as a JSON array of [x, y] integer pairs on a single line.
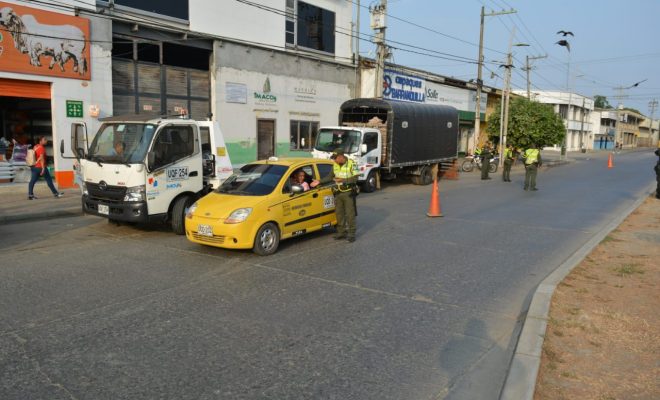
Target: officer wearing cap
[[345, 176]]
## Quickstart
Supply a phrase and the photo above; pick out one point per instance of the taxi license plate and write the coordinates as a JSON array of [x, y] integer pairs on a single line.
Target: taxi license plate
[[103, 209], [205, 230]]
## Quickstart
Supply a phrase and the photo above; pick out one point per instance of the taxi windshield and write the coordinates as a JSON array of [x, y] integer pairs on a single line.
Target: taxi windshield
[[253, 180]]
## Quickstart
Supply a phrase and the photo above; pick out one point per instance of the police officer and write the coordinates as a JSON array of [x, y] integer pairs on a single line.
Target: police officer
[[345, 175], [532, 158], [508, 162], [485, 162]]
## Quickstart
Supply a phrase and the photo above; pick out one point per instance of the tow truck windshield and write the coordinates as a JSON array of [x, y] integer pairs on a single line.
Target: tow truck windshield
[[333, 139], [122, 143]]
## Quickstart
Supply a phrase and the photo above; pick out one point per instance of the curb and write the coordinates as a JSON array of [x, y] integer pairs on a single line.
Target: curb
[[66, 212], [520, 383]]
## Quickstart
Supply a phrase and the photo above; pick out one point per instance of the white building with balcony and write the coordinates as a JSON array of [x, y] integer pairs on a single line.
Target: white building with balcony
[[575, 110]]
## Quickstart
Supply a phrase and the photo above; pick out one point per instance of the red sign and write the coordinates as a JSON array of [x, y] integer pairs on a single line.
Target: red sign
[[41, 42]]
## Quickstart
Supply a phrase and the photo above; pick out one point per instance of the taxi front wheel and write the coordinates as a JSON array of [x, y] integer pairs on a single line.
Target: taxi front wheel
[[267, 239]]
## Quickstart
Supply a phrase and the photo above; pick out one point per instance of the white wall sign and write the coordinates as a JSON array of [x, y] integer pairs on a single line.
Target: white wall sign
[[236, 93]]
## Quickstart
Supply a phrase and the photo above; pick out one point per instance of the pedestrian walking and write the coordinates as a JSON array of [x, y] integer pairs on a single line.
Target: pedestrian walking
[[532, 157], [657, 174], [345, 176], [40, 169], [508, 162], [486, 155]]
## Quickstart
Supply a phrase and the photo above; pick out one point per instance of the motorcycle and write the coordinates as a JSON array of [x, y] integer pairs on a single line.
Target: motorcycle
[[475, 161]]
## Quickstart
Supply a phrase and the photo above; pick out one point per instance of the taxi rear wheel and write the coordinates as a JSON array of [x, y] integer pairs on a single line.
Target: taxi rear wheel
[[267, 239]]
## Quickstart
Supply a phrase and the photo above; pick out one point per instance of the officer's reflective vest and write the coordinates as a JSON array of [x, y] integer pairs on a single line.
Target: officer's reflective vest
[[348, 170], [508, 154], [531, 156]]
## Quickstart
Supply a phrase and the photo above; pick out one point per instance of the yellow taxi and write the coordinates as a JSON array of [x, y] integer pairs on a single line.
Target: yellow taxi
[[263, 203]]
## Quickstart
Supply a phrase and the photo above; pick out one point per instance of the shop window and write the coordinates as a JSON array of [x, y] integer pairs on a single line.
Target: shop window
[[303, 135], [310, 26]]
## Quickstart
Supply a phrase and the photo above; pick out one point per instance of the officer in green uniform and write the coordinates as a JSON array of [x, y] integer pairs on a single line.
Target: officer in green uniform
[[508, 162], [532, 158], [657, 175], [345, 175], [485, 162]]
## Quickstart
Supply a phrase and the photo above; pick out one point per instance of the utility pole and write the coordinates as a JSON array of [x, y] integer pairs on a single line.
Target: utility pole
[[653, 104], [529, 68], [378, 24], [358, 65], [480, 82], [504, 121]]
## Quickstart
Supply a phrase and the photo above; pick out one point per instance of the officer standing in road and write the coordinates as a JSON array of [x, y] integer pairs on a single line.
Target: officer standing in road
[[345, 175], [657, 175], [532, 158], [485, 162], [508, 162]]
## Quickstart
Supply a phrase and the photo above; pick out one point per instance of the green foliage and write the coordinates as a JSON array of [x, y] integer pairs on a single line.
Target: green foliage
[[529, 123], [601, 102]]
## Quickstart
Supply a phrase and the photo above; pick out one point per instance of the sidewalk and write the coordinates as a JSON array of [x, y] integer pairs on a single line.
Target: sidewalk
[[15, 205]]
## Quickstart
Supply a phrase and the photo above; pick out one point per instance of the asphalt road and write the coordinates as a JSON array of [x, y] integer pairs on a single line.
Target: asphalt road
[[417, 308]]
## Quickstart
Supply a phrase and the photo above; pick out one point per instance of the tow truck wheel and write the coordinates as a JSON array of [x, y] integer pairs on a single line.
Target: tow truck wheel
[[178, 215], [369, 184], [426, 175], [267, 239]]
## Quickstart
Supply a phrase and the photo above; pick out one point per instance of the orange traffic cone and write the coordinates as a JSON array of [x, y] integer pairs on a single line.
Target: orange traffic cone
[[610, 164], [434, 207]]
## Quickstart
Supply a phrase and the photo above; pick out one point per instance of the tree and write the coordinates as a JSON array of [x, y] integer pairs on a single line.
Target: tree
[[529, 122], [601, 102]]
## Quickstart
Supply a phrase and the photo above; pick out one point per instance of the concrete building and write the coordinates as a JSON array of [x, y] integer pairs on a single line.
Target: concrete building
[[402, 83], [575, 110], [648, 133], [604, 125], [44, 88]]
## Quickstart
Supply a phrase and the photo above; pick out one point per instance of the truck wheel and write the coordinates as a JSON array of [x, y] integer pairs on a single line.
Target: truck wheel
[[369, 185], [426, 175], [492, 168], [467, 166], [267, 239], [178, 216]]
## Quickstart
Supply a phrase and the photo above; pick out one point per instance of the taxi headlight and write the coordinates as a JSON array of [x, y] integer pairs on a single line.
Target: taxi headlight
[[135, 193], [190, 210], [238, 216]]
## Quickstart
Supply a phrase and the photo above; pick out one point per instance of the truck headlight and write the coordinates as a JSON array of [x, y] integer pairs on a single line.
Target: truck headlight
[[135, 193], [85, 192], [238, 216], [190, 210]]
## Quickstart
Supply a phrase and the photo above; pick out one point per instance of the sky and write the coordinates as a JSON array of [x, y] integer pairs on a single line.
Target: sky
[[616, 43]]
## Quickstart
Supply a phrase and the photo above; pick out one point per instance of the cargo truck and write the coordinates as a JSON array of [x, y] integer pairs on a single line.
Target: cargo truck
[[390, 138]]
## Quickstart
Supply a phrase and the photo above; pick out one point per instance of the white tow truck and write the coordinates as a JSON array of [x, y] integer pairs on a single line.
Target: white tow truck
[[147, 168]]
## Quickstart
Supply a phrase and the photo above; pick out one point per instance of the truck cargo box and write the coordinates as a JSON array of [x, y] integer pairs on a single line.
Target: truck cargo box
[[412, 133]]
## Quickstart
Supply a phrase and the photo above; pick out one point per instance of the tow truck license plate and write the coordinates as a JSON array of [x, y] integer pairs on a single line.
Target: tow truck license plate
[[103, 209], [206, 230]]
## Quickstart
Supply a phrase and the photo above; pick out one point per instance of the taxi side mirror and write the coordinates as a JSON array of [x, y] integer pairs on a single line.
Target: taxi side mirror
[[296, 189]]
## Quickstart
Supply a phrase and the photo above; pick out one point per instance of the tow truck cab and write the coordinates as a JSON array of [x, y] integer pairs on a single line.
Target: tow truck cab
[[145, 168]]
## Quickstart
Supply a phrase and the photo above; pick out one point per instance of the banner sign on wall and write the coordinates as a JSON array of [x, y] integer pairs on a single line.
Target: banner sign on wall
[[41, 42], [398, 86]]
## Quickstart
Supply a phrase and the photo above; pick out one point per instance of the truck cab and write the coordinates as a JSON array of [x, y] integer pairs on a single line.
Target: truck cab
[[362, 145], [145, 168]]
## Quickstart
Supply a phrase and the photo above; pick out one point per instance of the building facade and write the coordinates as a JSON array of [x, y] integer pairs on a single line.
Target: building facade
[[575, 110]]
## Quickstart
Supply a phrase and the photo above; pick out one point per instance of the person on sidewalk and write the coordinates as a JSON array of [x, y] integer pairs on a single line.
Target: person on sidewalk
[[40, 169], [508, 162], [532, 158], [486, 155], [345, 175]]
